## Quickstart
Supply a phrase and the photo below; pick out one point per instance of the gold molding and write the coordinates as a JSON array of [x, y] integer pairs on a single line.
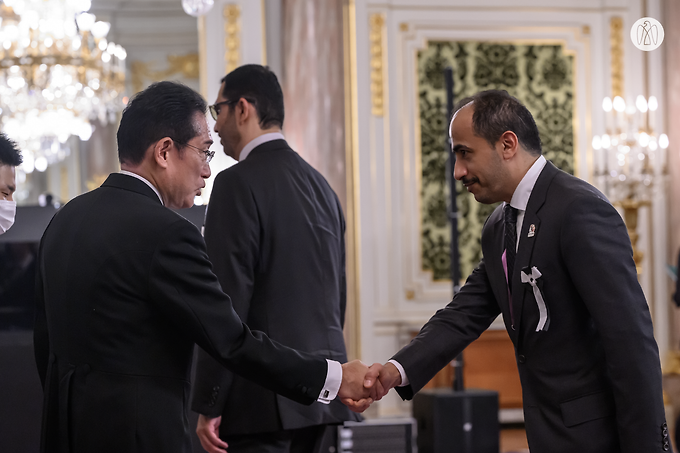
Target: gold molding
[[232, 36], [186, 65], [353, 272], [96, 181], [403, 26], [63, 184], [616, 47], [203, 56], [377, 25]]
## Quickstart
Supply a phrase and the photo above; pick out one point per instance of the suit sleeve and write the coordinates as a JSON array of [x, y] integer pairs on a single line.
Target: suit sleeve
[[232, 237], [448, 332], [343, 269], [598, 255], [185, 290]]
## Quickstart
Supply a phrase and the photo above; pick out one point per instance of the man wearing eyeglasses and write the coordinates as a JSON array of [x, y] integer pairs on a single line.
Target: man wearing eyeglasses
[[274, 232], [125, 289]]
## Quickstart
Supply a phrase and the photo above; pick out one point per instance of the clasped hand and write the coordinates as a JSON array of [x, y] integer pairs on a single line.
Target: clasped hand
[[362, 385]]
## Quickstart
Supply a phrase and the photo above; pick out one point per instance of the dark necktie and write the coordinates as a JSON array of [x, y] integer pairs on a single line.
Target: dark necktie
[[510, 239]]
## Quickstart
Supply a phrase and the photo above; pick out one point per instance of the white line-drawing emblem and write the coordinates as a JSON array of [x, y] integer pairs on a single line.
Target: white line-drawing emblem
[[647, 33]]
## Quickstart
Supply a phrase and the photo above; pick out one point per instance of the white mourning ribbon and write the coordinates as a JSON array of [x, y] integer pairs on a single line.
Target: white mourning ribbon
[[542, 308]]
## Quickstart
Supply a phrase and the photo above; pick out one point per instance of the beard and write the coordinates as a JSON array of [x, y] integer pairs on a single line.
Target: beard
[[493, 184]]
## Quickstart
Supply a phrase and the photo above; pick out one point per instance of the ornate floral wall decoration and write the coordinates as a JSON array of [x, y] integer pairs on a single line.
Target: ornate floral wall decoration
[[541, 76]]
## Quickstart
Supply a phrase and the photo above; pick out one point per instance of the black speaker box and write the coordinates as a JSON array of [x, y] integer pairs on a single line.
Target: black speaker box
[[457, 421], [377, 436]]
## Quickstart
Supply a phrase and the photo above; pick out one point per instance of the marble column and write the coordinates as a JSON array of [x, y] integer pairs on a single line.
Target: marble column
[[314, 86]]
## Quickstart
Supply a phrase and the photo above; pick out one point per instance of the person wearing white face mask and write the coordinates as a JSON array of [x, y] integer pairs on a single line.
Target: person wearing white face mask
[[10, 157]]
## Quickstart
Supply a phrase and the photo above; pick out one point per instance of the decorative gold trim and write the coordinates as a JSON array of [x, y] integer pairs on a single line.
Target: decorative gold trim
[[585, 30], [63, 183], [377, 25], [616, 43], [186, 65], [203, 56], [96, 181], [403, 26], [353, 324], [232, 36]]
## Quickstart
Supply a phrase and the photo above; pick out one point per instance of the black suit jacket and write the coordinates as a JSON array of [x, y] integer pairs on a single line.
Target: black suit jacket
[[592, 381], [274, 231], [124, 290]]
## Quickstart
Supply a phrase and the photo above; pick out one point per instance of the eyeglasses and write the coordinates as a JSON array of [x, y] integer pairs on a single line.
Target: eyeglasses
[[215, 108], [208, 153]]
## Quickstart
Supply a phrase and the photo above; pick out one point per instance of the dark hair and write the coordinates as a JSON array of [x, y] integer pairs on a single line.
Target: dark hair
[[9, 152], [164, 109], [259, 85], [496, 112]]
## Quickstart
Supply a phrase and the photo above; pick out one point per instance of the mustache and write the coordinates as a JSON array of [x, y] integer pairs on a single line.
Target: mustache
[[467, 181]]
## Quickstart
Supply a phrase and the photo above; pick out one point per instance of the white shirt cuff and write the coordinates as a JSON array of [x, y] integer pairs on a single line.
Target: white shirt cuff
[[333, 380], [404, 379]]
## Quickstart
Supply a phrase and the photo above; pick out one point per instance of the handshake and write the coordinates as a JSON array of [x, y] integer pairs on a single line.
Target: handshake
[[362, 385]]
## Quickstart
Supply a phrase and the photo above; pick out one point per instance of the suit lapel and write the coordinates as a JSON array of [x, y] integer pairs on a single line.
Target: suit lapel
[[526, 242], [494, 265]]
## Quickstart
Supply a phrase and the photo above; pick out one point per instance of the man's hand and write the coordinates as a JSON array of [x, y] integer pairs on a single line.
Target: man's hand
[[208, 430], [353, 392], [382, 378], [389, 377]]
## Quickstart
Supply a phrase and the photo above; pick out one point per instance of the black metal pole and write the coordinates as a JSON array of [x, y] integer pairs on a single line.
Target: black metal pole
[[458, 384]]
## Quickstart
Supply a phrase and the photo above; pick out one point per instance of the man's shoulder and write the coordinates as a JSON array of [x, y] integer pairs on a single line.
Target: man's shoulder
[[568, 187], [269, 161], [120, 204]]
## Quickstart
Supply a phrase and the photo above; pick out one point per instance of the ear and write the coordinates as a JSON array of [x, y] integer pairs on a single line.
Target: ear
[[244, 110], [509, 144], [161, 151]]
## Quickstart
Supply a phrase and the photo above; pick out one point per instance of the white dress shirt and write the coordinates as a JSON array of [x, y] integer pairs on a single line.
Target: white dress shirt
[[519, 200], [145, 181], [257, 141], [334, 370], [520, 197]]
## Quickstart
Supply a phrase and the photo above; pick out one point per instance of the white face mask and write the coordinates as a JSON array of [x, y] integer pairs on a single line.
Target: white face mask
[[8, 210]]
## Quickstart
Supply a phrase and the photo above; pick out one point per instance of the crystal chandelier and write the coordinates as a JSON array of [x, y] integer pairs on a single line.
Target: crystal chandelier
[[630, 153], [630, 158], [57, 74], [197, 8]]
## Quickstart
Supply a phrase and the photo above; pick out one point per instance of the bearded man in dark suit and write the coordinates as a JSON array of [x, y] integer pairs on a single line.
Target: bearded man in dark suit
[[274, 231], [125, 289], [558, 265]]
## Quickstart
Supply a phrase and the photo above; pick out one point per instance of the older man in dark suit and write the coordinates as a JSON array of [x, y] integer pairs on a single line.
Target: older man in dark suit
[[125, 289], [558, 265], [275, 234]]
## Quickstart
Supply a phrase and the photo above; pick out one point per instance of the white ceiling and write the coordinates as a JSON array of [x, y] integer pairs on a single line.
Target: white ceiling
[[140, 25]]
